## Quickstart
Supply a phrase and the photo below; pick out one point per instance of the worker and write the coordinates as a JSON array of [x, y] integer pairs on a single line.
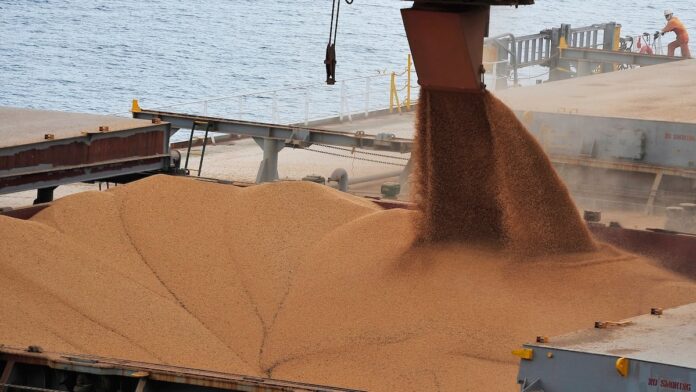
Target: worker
[[682, 41]]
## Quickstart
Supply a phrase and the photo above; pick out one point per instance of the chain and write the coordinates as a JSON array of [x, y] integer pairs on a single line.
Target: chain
[[360, 152], [355, 158]]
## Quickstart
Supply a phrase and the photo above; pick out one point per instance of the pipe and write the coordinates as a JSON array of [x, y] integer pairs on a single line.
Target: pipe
[[374, 177], [341, 177]]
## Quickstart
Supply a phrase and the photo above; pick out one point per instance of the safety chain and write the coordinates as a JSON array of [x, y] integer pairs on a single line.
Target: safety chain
[[353, 151], [356, 158]]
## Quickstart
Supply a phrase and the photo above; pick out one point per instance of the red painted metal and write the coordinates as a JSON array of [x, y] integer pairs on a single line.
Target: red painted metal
[[447, 46], [676, 252], [85, 151]]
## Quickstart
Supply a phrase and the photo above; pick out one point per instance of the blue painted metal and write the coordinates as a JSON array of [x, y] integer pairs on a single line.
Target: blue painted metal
[[658, 349], [570, 371]]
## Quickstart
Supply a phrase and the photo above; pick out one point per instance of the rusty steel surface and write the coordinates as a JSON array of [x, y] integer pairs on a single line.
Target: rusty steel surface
[[163, 373], [88, 156], [85, 151]]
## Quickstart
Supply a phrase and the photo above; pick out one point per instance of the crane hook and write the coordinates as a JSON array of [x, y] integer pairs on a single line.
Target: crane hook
[[330, 60]]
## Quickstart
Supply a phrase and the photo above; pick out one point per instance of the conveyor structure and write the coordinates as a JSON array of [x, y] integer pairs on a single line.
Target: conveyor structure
[[272, 138], [41, 149], [653, 352]]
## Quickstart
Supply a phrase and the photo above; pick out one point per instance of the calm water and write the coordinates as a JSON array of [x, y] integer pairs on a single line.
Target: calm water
[[97, 55]]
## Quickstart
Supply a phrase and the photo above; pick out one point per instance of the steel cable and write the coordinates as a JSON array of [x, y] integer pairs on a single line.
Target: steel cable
[[355, 158], [361, 152]]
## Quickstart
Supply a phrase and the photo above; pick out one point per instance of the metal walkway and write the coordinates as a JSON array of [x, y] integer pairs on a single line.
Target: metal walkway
[[272, 138]]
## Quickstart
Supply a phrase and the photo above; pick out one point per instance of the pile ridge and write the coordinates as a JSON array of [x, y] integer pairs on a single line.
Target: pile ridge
[[297, 281]]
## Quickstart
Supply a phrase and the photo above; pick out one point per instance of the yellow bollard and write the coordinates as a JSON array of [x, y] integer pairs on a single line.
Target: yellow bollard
[[392, 92], [135, 106], [408, 82]]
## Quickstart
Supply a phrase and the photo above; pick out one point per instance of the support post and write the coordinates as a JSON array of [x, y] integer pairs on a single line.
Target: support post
[[44, 195], [503, 70], [268, 170], [142, 384], [392, 88], [208, 127], [306, 107], [408, 82], [650, 207], [6, 373], [559, 40], [611, 36], [190, 144], [405, 178], [584, 68]]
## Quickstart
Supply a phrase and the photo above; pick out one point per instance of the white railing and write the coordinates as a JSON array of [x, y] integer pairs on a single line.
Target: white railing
[[296, 104]]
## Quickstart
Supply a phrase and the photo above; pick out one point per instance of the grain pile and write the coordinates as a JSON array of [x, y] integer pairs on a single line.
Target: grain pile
[[484, 180], [297, 281]]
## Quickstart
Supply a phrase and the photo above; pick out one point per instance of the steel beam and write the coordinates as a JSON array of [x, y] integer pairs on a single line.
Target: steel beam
[[601, 56], [623, 166], [653, 193], [81, 173], [291, 135]]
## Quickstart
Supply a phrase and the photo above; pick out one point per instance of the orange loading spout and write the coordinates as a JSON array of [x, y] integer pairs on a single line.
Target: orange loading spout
[[446, 39]]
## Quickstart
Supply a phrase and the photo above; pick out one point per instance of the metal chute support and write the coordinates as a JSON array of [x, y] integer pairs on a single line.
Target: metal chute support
[[446, 39]]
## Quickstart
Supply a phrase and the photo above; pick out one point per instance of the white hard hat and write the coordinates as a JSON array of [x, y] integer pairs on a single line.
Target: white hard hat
[[668, 12]]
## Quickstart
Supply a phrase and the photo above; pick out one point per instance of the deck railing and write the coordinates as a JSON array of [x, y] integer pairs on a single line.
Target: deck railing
[[542, 49]]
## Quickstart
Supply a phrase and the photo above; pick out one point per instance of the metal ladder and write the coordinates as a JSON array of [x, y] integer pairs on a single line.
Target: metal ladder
[[208, 128]]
